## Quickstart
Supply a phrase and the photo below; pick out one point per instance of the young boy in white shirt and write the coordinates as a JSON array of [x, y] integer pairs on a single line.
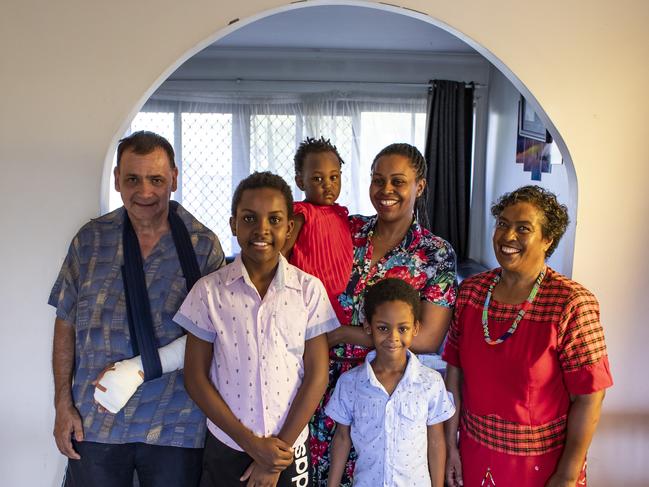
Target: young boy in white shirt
[[392, 407], [256, 360]]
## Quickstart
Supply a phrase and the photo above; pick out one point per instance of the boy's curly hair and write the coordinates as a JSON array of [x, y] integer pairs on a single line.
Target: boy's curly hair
[[391, 289], [265, 179], [313, 146]]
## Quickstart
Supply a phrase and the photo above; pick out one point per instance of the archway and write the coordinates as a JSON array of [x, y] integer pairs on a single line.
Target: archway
[[564, 262]]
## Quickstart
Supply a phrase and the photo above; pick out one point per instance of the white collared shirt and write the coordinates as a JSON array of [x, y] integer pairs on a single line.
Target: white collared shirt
[[258, 361], [389, 433]]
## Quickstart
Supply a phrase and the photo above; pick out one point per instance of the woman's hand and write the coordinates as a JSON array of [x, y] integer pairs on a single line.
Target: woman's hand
[[558, 480], [454, 379], [453, 468]]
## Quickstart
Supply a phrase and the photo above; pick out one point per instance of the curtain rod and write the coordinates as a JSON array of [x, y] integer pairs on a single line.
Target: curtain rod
[[391, 83]]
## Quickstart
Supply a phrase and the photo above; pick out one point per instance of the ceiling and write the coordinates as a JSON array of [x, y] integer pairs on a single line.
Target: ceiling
[[344, 27]]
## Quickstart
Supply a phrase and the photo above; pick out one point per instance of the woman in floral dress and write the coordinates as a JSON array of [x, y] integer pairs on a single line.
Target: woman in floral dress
[[393, 243]]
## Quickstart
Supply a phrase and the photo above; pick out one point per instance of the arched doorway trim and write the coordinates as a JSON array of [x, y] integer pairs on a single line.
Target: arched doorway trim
[[493, 59]]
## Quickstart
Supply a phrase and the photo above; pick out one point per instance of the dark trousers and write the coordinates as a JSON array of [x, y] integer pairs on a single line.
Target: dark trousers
[[107, 465], [223, 466]]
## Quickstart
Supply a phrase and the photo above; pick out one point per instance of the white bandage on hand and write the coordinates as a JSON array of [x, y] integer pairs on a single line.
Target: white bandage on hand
[[122, 382]]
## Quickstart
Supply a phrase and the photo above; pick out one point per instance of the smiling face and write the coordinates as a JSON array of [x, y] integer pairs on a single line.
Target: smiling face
[[394, 188], [518, 239], [320, 178], [145, 182], [393, 326], [261, 225]]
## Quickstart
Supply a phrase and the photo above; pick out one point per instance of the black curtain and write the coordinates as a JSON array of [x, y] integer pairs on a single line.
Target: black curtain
[[449, 136]]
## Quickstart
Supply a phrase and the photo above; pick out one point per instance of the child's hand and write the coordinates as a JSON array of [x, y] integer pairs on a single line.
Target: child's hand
[[453, 468], [257, 476], [271, 453]]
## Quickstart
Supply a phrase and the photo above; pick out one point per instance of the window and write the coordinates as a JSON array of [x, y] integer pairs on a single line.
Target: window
[[218, 144]]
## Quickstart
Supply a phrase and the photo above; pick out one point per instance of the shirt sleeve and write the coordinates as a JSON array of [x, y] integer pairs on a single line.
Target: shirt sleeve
[[65, 291], [440, 407], [300, 208], [581, 346], [340, 408], [216, 257], [194, 315], [441, 277], [321, 316], [451, 353]]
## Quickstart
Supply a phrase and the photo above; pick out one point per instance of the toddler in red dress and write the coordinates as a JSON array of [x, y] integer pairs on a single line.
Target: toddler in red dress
[[321, 242]]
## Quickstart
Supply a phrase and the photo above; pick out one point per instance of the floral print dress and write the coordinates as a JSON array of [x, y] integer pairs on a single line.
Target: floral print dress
[[423, 260]]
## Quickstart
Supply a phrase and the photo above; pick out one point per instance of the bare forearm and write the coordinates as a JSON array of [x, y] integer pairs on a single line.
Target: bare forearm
[[63, 353], [310, 392], [354, 335], [454, 386], [435, 320], [340, 448], [303, 406], [582, 421], [436, 454]]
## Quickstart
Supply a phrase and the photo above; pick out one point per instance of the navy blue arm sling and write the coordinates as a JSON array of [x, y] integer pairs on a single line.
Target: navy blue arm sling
[[138, 307]]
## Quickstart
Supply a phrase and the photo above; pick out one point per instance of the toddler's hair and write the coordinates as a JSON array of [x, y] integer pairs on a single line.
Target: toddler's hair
[[418, 162], [313, 146], [391, 289], [259, 180]]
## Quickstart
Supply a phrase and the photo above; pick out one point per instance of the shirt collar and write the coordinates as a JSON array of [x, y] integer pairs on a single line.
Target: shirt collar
[[408, 241], [411, 374], [285, 276]]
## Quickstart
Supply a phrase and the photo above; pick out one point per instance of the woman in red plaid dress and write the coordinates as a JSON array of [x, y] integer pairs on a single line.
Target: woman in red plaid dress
[[526, 356]]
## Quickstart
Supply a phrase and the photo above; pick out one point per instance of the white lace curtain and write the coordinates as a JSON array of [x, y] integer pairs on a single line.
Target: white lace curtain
[[220, 138]]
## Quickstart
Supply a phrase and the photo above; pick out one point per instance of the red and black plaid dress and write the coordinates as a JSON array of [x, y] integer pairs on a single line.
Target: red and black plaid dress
[[515, 395]]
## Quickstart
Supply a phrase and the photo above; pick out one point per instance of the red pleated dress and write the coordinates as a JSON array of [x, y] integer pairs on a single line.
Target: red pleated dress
[[324, 247]]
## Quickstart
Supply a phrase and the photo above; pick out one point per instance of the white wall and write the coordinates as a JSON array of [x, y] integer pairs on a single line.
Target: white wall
[[503, 174], [74, 72]]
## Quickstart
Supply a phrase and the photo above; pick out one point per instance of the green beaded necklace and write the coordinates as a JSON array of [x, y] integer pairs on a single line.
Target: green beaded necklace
[[526, 305]]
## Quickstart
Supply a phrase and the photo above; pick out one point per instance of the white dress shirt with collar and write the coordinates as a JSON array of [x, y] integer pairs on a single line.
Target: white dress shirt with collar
[[389, 433], [258, 361]]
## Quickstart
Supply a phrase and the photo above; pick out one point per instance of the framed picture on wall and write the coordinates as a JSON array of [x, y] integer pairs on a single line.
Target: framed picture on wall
[[529, 123]]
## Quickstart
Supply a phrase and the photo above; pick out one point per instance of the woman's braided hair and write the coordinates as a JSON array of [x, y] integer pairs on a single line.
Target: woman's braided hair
[[418, 163]]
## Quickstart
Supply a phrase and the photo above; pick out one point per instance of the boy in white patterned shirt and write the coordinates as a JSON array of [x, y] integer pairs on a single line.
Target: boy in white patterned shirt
[[392, 407], [256, 361]]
